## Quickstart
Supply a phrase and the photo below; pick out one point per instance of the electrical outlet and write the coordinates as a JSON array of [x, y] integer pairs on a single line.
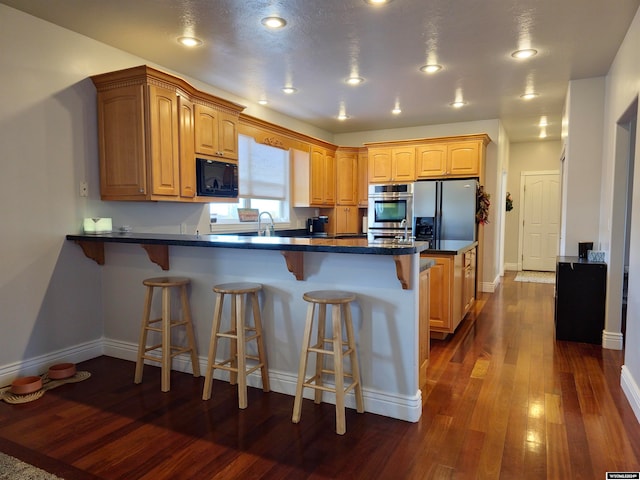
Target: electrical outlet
[[84, 189]]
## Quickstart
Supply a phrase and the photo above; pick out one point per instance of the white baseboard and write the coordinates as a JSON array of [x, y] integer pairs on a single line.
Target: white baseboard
[[631, 390], [402, 407], [612, 340], [490, 287], [39, 365]]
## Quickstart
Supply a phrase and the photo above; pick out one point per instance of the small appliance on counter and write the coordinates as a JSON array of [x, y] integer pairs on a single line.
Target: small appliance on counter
[[315, 225], [424, 229]]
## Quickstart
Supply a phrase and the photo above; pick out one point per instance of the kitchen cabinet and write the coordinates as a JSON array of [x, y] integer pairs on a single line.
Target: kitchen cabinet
[[363, 178], [424, 305], [446, 292], [314, 181], [138, 143], [216, 132], [146, 134], [394, 164], [346, 177], [460, 158], [469, 280], [186, 116], [347, 219]]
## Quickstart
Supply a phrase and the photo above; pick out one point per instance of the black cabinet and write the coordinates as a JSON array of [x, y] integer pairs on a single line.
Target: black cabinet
[[580, 299]]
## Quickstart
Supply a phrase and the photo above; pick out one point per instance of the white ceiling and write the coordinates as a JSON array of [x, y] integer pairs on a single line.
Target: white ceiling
[[325, 40]]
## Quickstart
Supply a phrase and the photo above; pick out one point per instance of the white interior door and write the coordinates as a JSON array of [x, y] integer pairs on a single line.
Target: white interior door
[[540, 221]]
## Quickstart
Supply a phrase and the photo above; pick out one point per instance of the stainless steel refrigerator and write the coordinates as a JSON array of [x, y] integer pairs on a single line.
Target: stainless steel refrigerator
[[451, 203]]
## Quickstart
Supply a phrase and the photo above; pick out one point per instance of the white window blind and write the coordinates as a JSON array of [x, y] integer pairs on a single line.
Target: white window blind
[[263, 171]]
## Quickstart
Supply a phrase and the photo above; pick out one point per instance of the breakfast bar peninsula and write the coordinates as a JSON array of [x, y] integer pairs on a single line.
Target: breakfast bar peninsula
[[390, 282]]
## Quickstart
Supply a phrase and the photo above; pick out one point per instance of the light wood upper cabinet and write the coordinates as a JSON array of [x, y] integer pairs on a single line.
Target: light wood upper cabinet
[[314, 178], [346, 177], [363, 178], [391, 164], [462, 159], [121, 132], [187, 148], [216, 132], [138, 141], [147, 127]]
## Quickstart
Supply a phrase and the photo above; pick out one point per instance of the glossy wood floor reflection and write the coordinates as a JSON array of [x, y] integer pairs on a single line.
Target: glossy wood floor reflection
[[505, 401]]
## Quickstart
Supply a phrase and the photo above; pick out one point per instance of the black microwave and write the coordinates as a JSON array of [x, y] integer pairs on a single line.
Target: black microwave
[[216, 178]]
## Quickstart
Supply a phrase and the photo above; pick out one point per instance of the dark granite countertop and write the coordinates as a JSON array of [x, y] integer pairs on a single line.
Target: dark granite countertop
[[450, 247], [357, 245]]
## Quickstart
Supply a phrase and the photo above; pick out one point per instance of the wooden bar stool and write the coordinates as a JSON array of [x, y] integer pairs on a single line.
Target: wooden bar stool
[[340, 302], [239, 335], [167, 351]]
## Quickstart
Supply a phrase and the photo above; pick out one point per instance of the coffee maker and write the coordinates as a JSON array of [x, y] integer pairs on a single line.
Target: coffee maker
[[315, 225]]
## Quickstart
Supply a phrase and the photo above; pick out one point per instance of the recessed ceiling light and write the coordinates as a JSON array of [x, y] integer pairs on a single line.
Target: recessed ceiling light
[[354, 80], [431, 68], [289, 90], [343, 116], [529, 95], [377, 3], [190, 41], [458, 104], [396, 111], [524, 53], [262, 101], [543, 121], [274, 22], [543, 133]]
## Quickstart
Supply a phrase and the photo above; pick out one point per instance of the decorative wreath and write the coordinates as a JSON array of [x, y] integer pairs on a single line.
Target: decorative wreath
[[482, 208], [509, 202]]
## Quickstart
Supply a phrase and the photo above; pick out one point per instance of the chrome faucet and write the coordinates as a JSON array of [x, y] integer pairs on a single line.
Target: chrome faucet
[[405, 224], [268, 231]]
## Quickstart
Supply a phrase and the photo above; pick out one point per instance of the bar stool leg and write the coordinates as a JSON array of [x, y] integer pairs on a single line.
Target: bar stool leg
[[353, 357], [191, 339], [341, 427], [306, 339], [320, 359], [142, 340], [213, 343], [241, 359], [166, 340], [262, 358]]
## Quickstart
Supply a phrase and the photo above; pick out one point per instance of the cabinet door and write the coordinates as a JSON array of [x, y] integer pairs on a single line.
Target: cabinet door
[[316, 179], [329, 178], [363, 178], [164, 151], [403, 162], [347, 219], [464, 158], [423, 331], [121, 128], [431, 161], [228, 136], [187, 150], [346, 178], [379, 165], [206, 131], [440, 294]]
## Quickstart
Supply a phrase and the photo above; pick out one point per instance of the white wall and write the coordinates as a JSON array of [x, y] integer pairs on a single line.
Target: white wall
[[583, 164], [622, 90], [524, 156]]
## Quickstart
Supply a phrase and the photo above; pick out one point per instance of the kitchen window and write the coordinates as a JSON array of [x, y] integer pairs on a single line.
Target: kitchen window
[[263, 175]]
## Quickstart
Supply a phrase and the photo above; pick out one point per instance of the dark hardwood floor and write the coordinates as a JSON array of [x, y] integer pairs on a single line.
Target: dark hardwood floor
[[505, 400]]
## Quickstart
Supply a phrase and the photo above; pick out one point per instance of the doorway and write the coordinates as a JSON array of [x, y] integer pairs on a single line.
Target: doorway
[[540, 226]]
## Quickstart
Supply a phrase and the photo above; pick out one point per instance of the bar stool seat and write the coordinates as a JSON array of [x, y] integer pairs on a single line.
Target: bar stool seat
[[338, 348], [167, 350], [239, 334]]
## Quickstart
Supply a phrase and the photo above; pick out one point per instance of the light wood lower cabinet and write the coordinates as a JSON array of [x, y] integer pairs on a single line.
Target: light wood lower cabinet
[[423, 331], [347, 219], [448, 285]]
